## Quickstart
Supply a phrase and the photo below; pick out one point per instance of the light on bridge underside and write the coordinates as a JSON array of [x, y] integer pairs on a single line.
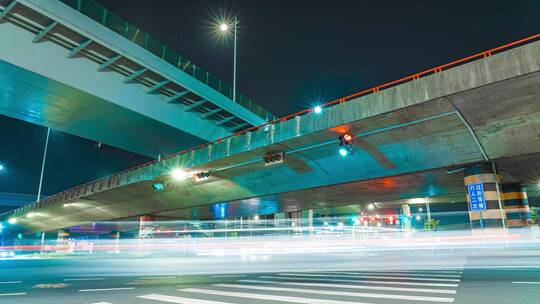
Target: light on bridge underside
[[371, 206], [180, 174], [418, 217], [30, 215], [1, 167], [345, 144], [158, 186], [343, 152], [12, 221], [317, 109]]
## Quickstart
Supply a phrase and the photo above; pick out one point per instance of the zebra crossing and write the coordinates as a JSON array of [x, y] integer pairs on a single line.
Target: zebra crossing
[[332, 287]]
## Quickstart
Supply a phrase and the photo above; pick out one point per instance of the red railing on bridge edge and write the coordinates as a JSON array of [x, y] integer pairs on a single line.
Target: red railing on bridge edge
[[372, 90]]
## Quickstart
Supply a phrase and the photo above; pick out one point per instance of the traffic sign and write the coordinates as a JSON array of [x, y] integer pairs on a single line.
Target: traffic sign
[[477, 197]]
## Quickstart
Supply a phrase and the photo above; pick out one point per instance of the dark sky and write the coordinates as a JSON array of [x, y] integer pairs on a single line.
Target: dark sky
[[291, 55]]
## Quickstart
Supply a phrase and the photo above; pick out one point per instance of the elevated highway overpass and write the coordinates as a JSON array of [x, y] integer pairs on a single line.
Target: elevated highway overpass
[[410, 135], [76, 67]]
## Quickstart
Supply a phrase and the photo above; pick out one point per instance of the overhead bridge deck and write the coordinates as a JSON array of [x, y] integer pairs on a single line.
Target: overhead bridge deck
[[407, 133], [74, 66]]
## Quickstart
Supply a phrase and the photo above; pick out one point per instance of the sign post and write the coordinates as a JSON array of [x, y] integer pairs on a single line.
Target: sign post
[[477, 199]]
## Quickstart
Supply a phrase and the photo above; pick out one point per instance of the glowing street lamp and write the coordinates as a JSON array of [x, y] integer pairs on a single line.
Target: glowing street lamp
[[179, 174], [225, 28]]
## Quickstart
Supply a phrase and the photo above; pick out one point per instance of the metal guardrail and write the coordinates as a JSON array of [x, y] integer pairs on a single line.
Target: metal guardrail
[[115, 179], [131, 32]]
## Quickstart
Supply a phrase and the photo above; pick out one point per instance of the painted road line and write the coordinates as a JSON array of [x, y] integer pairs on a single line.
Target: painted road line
[[85, 279], [258, 296], [11, 282], [532, 283], [372, 277], [340, 293], [12, 294], [230, 276], [181, 300], [401, 274], [426, 290], [106, 289], [102, 303], [158, 278], [363, 281]]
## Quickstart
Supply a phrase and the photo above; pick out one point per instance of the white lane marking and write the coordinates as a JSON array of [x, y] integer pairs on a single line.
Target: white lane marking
[[11, 282], [427, 290], [400, 274], [525, 282], [103, 303], [363, 281], [12, 294], [84, 279], [230, 276], [258, 296], [181, 300], [159, 278], [340, 293], [372, 277], [106, 289], [523, 262]]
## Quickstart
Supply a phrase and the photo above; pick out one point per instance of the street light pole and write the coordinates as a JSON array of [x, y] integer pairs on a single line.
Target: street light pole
[[43, 164], [234, 60]]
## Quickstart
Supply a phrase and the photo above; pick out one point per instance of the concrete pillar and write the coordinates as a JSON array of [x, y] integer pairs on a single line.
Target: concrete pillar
[[146, 226], [406, 217], [493, 216], [295, 217], [307, 218], [115, 236], [516, 205], [278, 219], [62, 241]]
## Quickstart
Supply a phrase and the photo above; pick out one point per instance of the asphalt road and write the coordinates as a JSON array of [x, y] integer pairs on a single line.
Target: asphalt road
[[397, 277]]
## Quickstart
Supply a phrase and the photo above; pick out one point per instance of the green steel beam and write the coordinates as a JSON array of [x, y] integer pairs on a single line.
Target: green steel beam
[[39, 37], [225, 120], [7, 9], [158, 86], [79, 48], [134, 75], [102, 67], [208, 114], [196, 104], [174, 98]]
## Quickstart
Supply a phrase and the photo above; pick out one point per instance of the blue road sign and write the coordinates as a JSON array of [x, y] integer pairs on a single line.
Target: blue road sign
[[477, 197]]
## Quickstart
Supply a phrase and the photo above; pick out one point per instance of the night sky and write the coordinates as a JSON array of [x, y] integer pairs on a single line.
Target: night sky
[[291, 55]]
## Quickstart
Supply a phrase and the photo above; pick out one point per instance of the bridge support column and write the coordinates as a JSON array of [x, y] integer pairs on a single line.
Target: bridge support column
[[278, 219], [516, 205], [62, 242], [406, 217], [146, 226], [307, 219], [115, 235], [493, 216]]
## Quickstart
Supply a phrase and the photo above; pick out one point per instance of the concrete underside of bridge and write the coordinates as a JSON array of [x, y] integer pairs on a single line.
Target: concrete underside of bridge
[[406, 138], [40, 100], [77, 76]]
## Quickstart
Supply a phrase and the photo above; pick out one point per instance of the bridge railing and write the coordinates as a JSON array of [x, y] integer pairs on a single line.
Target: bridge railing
[[131, 32], [138, 171]]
